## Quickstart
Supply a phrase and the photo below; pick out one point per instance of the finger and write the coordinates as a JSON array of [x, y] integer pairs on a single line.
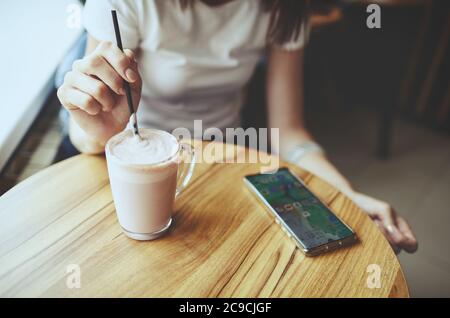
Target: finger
[[134, 65], [387, 216], [393, 233], [61, 93], [131, 55], [77, 99], [118, 60], [93, 87], [410, 243], [391, 242], [97, 66]]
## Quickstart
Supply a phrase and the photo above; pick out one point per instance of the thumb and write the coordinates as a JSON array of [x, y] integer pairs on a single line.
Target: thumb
[[136, 86], [134, 65], [389, 221]]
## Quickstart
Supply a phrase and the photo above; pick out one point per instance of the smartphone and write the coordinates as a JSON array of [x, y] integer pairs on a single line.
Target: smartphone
[[304, 217]]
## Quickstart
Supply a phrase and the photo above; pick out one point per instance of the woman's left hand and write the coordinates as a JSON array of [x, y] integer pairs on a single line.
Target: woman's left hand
[[395, 228]]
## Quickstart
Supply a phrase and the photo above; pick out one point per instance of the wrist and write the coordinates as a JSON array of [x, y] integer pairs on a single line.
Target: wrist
[[349, 192], [303, 149], [87, 146], [318, 164], [83, 142]]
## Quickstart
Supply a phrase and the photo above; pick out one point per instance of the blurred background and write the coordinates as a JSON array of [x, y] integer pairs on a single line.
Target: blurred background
[[377, 99]]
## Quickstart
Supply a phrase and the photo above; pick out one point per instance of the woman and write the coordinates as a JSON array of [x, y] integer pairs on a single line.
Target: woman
[[191, 59]]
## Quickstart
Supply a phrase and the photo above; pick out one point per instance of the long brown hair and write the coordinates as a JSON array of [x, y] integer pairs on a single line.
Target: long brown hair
[[286, 17]]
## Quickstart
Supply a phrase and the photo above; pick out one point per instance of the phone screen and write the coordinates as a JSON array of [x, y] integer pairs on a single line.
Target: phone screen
[[308, 218]]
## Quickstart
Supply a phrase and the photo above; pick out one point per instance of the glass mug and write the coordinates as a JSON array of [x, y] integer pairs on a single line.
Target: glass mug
[[144, 194]]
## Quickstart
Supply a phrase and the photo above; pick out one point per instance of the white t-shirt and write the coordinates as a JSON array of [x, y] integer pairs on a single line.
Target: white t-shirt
[[194, 62]]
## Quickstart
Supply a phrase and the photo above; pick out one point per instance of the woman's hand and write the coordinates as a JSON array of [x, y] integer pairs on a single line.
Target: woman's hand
[[93, 91], [395, 228]]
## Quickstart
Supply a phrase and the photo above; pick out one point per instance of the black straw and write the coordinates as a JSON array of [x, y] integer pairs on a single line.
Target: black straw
[[125, 83]]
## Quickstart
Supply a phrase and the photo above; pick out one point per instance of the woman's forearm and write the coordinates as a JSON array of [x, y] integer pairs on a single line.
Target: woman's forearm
[[285, 106]]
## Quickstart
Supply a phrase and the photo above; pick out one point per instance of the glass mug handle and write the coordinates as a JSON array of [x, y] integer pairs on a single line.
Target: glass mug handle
[[184, 176]]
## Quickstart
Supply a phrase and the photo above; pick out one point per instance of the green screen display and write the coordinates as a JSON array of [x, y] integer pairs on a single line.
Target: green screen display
[[311, 221]]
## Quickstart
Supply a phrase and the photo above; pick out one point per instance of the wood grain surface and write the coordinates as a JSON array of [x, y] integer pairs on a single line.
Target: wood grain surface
[[223, 243]]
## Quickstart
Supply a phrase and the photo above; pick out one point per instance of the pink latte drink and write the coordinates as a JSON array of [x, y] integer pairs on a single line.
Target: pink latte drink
[[143, 175]]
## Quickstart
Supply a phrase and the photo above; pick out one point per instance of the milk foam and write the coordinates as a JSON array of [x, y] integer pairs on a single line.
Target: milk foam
[[152, 147]]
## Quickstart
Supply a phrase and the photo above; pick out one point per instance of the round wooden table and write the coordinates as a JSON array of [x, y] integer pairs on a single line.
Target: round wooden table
[[61, 222]]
